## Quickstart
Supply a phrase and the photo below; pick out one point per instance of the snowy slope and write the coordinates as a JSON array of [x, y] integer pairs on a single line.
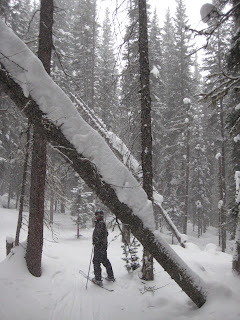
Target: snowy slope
[[61, 294]]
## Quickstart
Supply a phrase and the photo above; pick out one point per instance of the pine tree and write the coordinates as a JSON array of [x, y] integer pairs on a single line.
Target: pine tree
[[157, 101], [182, 80], [65, 42], [4, 9], [82, 203], [215, 63], [39, 151], [146, 124], [13, 125], [177, 84], [130, 84], [183, 60], [84, 53], [107, 78], [233, 119]]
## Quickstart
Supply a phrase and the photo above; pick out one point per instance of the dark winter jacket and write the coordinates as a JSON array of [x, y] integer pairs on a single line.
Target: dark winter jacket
[[100, 234]]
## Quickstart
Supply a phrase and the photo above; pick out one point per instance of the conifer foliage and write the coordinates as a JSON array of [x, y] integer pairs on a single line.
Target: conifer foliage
[[187, 135]]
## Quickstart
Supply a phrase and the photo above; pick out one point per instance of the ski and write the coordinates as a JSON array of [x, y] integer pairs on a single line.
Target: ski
[[90, 279]]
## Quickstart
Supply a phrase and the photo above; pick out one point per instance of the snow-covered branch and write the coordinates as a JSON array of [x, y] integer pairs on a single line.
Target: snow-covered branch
[[125, 155], [53, 111]]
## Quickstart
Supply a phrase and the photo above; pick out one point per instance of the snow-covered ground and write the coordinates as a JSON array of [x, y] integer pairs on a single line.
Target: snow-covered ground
[[61, 294]]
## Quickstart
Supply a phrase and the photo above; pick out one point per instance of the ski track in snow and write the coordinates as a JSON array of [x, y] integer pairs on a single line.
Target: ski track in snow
[[61, 294]]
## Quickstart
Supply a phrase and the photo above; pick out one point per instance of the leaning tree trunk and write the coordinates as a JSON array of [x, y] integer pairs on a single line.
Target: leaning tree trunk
[[190, 283], [38, 169], [146, 133], [107, 192]]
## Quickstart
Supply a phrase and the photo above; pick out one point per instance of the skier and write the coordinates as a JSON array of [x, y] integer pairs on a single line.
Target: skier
[[99, 238]]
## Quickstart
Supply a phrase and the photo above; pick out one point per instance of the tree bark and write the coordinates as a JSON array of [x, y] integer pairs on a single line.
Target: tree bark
[[187, 173], [146, 131], [157, 206], [190, 283], [36, 214], [38, 169], [236, 257], [233, 61]]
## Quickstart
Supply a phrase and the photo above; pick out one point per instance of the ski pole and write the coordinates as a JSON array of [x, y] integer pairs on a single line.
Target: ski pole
[[89, 266]]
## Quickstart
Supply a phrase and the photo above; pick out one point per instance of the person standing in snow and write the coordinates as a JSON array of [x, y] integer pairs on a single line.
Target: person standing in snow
[[99, 239]]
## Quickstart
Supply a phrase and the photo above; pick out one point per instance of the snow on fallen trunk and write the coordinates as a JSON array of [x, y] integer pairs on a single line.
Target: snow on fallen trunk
[[128, 159], [89, 154], [29, 73]]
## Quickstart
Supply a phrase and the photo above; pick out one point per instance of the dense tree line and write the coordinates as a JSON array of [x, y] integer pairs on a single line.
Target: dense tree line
[[187, 134]]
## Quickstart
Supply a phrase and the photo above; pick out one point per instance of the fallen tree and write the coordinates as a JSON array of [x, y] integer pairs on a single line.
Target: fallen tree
[[24, 79], [124, 154]]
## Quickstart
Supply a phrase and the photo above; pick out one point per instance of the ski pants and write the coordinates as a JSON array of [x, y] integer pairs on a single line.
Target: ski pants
[[100, 256]]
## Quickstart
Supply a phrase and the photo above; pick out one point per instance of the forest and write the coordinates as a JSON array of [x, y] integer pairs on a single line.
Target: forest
[[144, 126]]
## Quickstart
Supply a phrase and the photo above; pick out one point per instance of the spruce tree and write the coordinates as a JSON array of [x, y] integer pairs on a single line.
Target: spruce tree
[[85, 33], [107, 78], [214, 64], [130, 84], [157, 101]]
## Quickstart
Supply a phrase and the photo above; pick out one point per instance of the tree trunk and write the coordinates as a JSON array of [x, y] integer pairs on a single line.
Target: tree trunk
[[146, 133], [158, 210], [62, 206], [236, 257], [126, 234], [22, 194], [187, 172], [38, 170], [10, 183], [234, 67], [36, 214], [51, 207], [189, 281], [93, 58], [221, 207]]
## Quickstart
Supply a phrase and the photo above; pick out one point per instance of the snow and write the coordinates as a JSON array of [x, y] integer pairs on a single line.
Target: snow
[[220, 204], [155, 72], [237, 107], [207, 12], [198, 204], [186, 101], [60, 293], [236, 138], [29, 73]]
